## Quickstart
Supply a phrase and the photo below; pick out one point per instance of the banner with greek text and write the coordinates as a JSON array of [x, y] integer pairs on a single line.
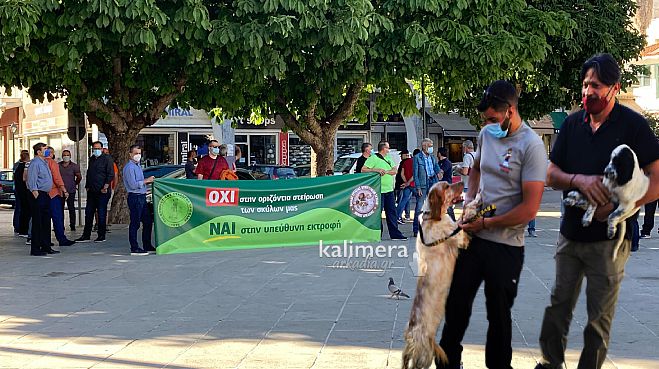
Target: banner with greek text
[[195, 216]]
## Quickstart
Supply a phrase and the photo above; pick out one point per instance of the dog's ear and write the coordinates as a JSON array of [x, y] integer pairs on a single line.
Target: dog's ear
[[436, 197], [624, 164]]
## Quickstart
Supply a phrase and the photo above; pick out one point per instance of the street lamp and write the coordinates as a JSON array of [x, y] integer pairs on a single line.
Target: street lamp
[[13, 128]]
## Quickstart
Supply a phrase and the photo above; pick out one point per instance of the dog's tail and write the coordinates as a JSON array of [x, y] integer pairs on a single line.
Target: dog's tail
[[439, 352]]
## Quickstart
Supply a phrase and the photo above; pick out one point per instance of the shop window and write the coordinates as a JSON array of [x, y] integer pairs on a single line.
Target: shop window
[[240, 139], [397, 140], [244, 154], [263, 149], [155, 149], [299, 152], [346, 146]]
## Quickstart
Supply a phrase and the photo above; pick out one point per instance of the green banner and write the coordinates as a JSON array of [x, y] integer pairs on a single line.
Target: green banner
[[194, 216]]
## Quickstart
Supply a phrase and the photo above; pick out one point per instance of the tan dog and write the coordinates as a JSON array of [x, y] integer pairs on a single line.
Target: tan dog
[[437, 245]]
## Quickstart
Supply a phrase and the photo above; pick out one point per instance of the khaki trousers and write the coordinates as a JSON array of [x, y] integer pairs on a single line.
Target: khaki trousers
[[574, 260]]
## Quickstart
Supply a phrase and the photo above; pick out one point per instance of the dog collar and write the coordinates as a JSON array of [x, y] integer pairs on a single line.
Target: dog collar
[[488, 209]]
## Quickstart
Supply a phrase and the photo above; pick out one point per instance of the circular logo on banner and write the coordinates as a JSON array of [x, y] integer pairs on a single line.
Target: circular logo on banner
[[363, 201], [174, 209]]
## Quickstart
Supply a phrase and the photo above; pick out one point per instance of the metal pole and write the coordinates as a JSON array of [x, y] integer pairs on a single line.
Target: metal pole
[[423, 106]]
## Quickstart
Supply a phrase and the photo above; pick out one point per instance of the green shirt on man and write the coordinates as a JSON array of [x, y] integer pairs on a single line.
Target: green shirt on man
[[387, 180]]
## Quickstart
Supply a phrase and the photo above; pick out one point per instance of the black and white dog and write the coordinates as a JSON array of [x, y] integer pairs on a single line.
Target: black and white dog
[[626, 182]]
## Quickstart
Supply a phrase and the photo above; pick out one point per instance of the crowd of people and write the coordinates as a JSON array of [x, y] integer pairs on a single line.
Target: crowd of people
[[410, 179], [45, 188]]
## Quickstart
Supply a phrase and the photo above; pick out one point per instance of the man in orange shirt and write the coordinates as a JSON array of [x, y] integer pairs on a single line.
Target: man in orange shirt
[[57, 193]]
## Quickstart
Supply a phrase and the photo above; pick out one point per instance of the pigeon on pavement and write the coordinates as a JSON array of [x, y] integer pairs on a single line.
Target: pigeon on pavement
[[395, 291]]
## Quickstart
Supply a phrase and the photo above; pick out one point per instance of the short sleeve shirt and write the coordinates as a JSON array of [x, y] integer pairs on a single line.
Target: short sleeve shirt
[[387, 181], [205, 167], [408, 169], [580, 151], [467, 162], [360, 164], [505, 164]]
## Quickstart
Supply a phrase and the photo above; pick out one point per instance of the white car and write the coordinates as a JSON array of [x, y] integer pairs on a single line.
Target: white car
[[347, 163]]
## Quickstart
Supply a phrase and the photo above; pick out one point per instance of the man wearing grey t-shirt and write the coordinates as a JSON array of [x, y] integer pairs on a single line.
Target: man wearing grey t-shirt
[[509, 170]]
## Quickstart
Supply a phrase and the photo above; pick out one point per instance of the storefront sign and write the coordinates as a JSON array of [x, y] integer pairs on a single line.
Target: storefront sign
[[196, 216], [283, 148], [183, 147]]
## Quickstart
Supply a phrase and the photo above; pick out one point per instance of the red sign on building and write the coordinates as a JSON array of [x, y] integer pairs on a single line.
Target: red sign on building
[[283, 148]]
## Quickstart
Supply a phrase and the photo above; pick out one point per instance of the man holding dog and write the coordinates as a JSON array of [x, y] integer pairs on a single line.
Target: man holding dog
[[509, 170], [582, 151]]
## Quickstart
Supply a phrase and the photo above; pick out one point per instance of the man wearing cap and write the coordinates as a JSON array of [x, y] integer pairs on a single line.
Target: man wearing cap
[[581, 153], [509, 171]]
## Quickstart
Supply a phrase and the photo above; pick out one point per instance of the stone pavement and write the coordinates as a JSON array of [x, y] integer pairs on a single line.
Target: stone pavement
[[94, 306]]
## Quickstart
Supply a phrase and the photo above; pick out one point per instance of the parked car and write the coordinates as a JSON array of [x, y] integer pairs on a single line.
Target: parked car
[[302, 170], [346, 164], [7, 195], [268, 171], [160, 171]]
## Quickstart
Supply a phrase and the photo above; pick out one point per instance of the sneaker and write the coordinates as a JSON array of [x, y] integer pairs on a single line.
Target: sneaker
[[400, 221], [23, 235], [150, 249], [542, 366], [99, 239], [51, 251], [138, 252], [28, 241], [399, 238], [645, 236], [83, 239], [67, 243], [532, 234], [39, 253]]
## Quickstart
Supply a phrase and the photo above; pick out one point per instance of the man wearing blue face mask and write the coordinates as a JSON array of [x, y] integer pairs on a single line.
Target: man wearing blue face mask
[[426, 173], [98, 180], [509, 170]]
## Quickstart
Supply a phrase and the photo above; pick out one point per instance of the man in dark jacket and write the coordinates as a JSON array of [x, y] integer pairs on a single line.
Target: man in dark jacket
[[98, 180], [21, 193]]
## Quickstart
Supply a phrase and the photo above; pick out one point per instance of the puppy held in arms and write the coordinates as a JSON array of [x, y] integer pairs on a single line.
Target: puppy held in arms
[[437, 245], [626, 183]]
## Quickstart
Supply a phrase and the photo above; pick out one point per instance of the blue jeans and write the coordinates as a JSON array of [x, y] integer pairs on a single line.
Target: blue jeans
[[96, 201], [57, 213], [531, 226], [139, 213], [389, 206], [404, 201], [419, 203]]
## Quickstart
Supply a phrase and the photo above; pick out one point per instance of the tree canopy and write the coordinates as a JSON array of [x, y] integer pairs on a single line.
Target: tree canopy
[[552, 82]]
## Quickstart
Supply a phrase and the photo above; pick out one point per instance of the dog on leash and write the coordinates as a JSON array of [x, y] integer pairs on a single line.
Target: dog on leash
[[626, 183], [437, 245]]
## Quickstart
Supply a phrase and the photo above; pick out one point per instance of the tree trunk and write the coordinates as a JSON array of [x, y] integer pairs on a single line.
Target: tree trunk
[[324, 149], [119, 143]]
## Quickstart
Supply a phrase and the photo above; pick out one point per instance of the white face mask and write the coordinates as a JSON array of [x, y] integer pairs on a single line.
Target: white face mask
[[430, 150], [66, 158], [137, 158]]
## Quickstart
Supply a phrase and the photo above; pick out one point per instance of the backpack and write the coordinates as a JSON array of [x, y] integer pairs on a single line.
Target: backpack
[[228, 175]]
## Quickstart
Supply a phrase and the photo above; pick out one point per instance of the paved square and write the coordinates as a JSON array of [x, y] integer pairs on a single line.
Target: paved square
[[94, 306]]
